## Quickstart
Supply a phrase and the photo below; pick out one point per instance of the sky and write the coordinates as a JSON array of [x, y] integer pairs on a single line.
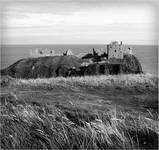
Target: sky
[[78, 22]]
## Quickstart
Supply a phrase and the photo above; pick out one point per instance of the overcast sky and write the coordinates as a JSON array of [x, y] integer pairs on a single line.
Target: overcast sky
[[78, 22]]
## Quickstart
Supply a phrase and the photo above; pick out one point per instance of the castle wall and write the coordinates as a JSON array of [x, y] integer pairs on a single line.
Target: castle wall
[[115, 51], [41, 53]]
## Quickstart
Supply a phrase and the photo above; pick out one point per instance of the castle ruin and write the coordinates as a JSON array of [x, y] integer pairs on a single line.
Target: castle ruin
[[41, 53], [116, 50]]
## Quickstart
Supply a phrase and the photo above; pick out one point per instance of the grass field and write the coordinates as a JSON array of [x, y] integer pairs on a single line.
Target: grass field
[[92, 112]]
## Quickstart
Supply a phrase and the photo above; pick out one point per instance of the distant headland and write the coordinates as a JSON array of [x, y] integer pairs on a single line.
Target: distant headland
[[116, 59]]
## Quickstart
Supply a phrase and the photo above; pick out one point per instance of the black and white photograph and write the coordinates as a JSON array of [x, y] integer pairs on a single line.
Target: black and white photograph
[[79, 74]]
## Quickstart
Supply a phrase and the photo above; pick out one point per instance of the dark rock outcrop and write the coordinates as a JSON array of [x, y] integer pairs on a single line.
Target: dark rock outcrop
[[131, 65], [87, 56]]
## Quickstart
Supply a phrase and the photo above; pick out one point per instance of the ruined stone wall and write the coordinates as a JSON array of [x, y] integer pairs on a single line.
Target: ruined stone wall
[[115, 51], [41, 53], [118, 51]]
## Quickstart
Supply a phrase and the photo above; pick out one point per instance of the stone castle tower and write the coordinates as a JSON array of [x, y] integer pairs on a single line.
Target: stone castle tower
[[116, 50]]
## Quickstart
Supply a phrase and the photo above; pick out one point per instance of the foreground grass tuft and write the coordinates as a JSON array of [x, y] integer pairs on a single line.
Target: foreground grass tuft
[[28, 126]]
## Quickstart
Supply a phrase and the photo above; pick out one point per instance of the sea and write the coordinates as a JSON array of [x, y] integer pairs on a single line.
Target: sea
[[147, 54]]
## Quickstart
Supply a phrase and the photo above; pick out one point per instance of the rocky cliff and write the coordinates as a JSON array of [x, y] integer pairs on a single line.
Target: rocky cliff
[[54, 66]]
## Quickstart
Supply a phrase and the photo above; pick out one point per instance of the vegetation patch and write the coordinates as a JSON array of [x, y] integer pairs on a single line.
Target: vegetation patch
[[36, 126], [91, 112]]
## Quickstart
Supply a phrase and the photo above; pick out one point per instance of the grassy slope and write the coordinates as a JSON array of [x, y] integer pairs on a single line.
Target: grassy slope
[[89, 112], [41, 66], [139, 91]]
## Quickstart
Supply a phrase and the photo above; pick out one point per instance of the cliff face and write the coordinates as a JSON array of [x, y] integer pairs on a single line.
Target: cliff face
[[54, 66]]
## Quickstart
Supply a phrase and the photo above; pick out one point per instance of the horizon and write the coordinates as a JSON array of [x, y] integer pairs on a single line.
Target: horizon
[[78, 22], [80, 44]]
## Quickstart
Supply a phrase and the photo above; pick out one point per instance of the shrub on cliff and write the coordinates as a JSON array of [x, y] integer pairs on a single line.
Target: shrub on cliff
[[26, 126]]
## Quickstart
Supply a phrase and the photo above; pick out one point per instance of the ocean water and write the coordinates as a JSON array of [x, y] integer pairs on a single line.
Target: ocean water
[[147, 54]]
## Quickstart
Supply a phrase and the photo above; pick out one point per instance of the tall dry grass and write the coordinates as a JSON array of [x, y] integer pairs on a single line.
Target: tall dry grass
[[140, 81], [58, 127], [38, 126]]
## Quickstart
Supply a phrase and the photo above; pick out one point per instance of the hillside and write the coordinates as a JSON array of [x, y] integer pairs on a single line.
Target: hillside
[[42, 67], [54, 66]]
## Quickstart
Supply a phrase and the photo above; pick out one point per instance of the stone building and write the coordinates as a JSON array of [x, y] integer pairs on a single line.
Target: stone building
[[38, 52], [116, 50]]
